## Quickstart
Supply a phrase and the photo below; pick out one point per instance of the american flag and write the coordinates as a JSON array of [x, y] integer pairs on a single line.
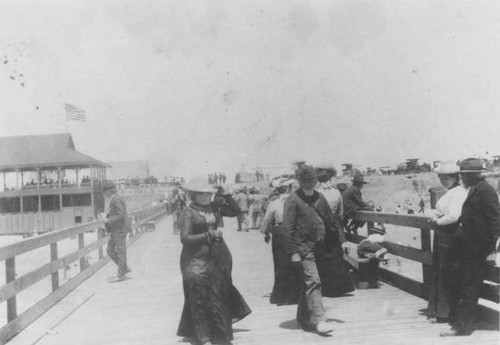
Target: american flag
[[74, 113]]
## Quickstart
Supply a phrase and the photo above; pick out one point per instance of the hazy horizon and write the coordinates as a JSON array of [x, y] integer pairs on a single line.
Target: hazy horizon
[[201, 86]]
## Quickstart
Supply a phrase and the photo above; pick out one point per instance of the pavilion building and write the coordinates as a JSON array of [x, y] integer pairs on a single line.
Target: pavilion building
[[46, 184]]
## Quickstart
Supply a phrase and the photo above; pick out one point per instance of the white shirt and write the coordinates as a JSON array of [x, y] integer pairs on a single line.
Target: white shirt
[[449, 206], [333, 197], [274, 211]]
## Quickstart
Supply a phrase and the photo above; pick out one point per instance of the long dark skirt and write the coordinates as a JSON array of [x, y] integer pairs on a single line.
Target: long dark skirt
[[211, 302], [286, 276], [332, 271], [334, 277], [438, 306]]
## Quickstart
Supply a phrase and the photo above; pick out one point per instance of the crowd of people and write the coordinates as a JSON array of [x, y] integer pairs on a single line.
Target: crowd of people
[[216, 178], [259, 175], [306, 220]]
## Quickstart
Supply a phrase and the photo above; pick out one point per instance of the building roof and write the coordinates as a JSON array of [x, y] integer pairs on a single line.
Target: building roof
[[51, 150]]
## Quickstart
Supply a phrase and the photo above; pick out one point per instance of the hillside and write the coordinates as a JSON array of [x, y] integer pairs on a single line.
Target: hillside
[[405, 190]]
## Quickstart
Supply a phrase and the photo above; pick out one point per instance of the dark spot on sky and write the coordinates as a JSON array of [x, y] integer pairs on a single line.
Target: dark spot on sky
[[415, 71], [11, 77], [37, 108], [6, 62], [22, 84]]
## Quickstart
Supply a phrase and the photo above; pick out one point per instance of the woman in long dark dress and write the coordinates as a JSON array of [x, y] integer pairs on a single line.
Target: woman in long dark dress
[[211, 302], [445, 220], [335, 280], [286, 286]]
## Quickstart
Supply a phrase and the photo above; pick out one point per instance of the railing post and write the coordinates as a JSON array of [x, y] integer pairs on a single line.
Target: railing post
[[55, 275], [10, 275], [100, 235], [369, 228], [425, 236], [81, 244]]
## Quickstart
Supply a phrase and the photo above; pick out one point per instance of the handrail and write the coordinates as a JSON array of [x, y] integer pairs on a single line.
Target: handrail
[[423, 255], [15, 284]]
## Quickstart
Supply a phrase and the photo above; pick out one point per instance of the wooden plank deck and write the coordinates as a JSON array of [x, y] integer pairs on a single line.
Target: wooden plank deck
[[145, 309]]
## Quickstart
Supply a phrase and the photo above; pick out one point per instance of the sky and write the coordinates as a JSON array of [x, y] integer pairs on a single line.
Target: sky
[[221, 85]]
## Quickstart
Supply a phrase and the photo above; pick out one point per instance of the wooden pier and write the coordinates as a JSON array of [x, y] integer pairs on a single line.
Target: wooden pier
[[145, 309]]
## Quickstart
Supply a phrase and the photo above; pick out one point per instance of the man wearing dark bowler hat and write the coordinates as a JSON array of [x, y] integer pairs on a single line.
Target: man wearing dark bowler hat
[[115, 222], [471, 243], [353, 201], [306, 217]]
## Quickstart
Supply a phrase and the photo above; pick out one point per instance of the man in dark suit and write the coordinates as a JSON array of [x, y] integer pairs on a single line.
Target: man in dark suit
[[353, 201], [305, 213], [116, 222], [471, 244]]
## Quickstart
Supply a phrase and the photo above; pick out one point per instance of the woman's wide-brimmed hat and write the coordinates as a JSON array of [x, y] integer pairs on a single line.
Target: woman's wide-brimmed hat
[[447, 168], [471, 165], [199, 188]]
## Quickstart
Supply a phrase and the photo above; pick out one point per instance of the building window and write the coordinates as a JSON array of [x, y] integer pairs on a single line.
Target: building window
[[50, 203], [66, 200], [10, 205], [30, 203], [70, 200]]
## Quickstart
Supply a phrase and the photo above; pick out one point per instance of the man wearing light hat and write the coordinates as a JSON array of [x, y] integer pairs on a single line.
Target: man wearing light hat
[[473, 241], [115, 222]]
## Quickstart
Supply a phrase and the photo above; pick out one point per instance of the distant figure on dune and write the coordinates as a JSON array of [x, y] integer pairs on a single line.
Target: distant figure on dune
[[421, 204]]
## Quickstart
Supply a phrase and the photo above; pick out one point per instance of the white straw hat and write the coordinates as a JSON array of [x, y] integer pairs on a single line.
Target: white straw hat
[[447, 168]]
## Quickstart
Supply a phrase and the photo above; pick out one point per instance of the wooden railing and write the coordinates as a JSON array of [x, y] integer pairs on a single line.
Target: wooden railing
[[422, 255], [14, 285]]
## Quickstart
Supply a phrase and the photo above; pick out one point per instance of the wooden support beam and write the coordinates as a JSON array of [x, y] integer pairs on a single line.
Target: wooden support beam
[[404, 283], [16, 325], [21, 283], [81, 244], [10, 276], [30, 244], [100, 235], [425, 240], [53, 258], [412, 221]]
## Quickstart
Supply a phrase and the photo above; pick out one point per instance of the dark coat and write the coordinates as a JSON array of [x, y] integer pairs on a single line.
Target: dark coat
[[117, 214], [304, 222], [353, 201], [480, 222]]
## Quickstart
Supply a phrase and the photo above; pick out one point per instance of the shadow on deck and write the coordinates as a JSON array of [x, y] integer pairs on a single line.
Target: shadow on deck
[[146, 308]]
